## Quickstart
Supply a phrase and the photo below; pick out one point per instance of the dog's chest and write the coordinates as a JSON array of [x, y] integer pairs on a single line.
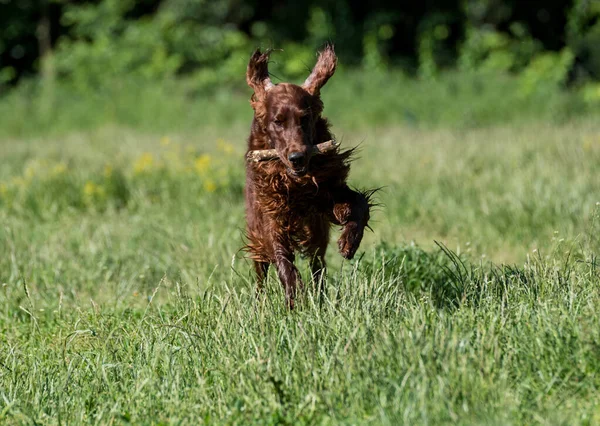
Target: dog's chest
[[303, 202], [303, 215], [296, 205]]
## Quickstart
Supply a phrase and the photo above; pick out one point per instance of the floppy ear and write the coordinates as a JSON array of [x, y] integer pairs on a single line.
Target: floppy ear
[[257, 74], [323, 70]]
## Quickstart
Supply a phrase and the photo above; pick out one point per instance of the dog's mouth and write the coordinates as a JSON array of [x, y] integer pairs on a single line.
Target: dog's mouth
[[297, 172]]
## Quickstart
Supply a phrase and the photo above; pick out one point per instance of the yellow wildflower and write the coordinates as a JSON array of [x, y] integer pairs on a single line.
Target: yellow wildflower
[[17, 181], [225, 146], [93, 192], [590, 143], [165, 141], [59, 169], [202, 163], [89, 189], [3, 189], [34, 168], [29, 172], [144, 163], [108, 170], [210, 186]]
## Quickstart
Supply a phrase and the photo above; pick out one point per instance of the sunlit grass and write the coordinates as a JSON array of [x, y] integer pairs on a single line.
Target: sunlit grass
[[56, 185], [124, 296]]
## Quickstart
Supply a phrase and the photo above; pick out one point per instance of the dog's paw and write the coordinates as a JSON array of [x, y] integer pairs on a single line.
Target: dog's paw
[[350, 239]]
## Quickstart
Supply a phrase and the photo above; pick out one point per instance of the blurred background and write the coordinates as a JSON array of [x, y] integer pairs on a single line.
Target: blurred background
[[478, 117], [531, 49], [125, 298]]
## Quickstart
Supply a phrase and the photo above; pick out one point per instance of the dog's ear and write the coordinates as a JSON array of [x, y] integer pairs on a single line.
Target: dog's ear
[[322, 71], [257, 74]]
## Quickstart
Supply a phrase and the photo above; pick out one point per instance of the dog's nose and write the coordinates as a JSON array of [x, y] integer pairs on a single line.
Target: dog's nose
[[296, 158]]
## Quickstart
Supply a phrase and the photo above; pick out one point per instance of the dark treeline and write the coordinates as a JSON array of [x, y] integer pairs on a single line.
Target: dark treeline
[[415, 35]]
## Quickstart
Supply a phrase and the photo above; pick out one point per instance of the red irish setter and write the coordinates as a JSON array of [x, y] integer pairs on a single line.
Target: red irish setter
[[291, 202]]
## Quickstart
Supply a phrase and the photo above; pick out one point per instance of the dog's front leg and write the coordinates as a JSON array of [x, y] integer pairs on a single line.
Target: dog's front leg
[[351, 210], [288, 273]]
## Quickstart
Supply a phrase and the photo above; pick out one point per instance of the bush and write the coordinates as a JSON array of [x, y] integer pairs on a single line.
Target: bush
[[105, 44], [547, 72]]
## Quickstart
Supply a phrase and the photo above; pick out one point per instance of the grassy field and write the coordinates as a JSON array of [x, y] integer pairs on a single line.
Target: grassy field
[[125, 298]]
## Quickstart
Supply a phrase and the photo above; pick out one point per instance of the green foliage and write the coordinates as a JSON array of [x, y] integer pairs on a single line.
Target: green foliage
[[319, 26], [107, 41], [354, 99], [375, 43], [106, 44], [292, 63], [489, 50], [434, 52], [591, 94], [209, 42], [583, 35], [547, 72]]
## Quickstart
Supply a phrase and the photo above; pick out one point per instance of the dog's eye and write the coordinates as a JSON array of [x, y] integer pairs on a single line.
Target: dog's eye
[[278, 122]]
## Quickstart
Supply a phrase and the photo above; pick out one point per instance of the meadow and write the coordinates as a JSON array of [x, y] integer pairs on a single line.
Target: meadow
[[125, 298]]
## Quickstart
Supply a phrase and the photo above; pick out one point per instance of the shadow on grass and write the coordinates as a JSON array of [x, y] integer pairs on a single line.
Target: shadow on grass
[[450, 280]]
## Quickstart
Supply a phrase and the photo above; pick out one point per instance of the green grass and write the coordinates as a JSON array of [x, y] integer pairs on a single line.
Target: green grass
[[355, 99], [125, 298]]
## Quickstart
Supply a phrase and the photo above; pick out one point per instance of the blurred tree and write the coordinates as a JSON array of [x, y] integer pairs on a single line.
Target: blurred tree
[[209, 40], [583, 37], [18, 43]]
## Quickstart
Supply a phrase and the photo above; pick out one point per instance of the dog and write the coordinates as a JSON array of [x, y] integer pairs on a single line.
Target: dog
[[292, 202]]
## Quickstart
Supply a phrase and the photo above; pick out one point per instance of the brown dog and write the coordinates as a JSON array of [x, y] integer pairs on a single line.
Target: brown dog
[[292, 201]]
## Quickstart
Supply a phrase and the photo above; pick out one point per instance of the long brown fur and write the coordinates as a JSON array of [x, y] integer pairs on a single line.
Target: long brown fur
[[290, 206]]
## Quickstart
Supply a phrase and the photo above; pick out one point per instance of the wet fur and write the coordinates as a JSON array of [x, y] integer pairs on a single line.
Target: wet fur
[[286, 214]]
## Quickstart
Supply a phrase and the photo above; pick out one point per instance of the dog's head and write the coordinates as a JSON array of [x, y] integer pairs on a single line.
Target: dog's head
[[288, 113]]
